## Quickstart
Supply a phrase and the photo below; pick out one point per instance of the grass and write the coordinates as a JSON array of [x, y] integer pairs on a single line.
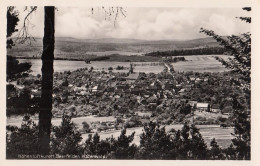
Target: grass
[[200, 63]]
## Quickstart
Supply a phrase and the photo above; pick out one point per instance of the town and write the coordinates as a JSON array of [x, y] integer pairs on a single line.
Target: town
[[134, 98]]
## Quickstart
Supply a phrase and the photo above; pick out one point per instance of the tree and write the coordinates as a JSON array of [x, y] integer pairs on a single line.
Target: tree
[[12, 20], [240, 48], [122, 148], [65, 139], [110, 69], [198, 146], [14, 68], [86, 127], [155, 143], [47, 79], [215, 151], [23, 140], [95, 146]]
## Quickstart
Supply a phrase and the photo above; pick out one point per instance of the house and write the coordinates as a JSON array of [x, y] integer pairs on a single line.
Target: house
[[152, 89], [215, 108], [97, 88], [192, 103], [132, 76], [94, 89], [110, 89], [135, 90], [202, 106], [122, 86], [168, 86], [192, 78], [182, 90], [187, 87], [179, 86], [152, 100], [198, 80], [118, 91]]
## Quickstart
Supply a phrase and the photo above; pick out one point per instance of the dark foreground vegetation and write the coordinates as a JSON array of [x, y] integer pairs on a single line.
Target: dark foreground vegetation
[[155, 143]]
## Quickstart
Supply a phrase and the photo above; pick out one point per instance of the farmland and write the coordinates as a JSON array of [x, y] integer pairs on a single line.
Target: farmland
[[198, 63], [201, 63], [63, 65]]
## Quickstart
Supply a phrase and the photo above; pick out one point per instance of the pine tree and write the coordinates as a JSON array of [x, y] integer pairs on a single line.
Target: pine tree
[[155, 143], [215, 151], [122, 148], [65, 139]]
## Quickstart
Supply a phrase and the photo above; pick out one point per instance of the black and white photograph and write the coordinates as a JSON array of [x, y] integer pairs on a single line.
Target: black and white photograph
[[128, 83]]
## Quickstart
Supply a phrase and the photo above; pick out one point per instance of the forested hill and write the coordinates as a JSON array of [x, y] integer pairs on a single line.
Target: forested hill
[[196, 51]]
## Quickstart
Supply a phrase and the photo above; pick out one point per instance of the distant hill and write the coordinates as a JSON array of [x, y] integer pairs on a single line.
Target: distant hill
[[67, 47], [201, 41]]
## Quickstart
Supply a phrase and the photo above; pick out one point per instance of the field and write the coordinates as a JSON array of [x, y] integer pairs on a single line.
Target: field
[[63, 65], [200, 63]]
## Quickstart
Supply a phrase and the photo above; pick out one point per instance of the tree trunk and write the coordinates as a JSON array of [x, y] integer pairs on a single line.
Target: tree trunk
[[45, 114]]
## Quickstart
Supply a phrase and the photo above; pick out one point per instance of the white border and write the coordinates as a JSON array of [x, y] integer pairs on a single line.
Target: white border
[[255, 4]]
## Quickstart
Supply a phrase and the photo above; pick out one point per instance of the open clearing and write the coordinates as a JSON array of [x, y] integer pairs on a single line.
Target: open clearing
[[200, 63]]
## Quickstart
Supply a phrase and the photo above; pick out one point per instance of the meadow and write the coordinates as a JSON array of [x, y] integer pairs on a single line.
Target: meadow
[[200, 63], [63, 65]]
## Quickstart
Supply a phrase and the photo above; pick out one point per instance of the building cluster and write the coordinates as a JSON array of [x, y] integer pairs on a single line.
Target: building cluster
[[97, 91]]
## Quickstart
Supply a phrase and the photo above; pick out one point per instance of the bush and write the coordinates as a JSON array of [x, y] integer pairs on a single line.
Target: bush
[[86, 127], [221, 119]]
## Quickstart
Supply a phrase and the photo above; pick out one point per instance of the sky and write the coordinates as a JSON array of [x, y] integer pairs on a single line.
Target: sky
[[140, 23]]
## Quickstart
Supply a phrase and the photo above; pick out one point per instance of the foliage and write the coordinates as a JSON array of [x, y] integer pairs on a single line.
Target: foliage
[[95, 146], [86, 127], [65, 139], [242, 130], [191, 143], [13, 66], [215, 151], [240, 48], [19, 102], [12, 21], [186, 143], [155, 143], [122, 147], [23, 140]]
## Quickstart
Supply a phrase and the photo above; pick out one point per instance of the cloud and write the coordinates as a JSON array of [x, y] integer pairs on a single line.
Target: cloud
[[144, 23]]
